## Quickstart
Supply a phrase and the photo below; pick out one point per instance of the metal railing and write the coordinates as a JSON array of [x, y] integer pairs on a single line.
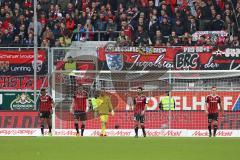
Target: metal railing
[[99, 33]]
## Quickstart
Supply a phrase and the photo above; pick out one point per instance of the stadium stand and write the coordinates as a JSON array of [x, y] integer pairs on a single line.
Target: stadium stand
[[130, 22]]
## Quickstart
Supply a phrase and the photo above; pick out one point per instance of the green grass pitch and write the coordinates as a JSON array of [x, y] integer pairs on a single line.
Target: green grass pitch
[[118, 148]]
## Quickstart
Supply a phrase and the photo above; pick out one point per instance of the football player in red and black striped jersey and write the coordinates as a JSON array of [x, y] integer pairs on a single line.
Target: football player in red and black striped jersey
[[212, 102], [45, 106], [78, 109], [140, 102]]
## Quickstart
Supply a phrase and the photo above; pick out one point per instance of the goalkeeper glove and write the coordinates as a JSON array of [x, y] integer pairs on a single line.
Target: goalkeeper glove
[[112, 113]]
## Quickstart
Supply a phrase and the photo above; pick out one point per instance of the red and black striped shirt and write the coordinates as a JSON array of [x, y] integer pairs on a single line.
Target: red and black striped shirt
[[80, 101], [140, 103], [45, 103], [213, 102]]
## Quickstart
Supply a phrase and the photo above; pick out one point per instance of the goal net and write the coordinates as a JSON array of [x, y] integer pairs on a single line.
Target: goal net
[[188, 88]]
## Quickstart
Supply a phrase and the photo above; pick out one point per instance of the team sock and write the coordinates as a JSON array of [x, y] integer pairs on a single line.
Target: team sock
[[76, 127], [42, 129], [143, 130], [50, 128], [136, 131], [82, 129], [215, 127], [103, 131], [210, 129]]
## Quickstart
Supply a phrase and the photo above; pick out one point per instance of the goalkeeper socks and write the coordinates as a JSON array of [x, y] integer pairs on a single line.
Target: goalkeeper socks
[[82, 129], [50, 128], [136, 131], [76, 127], [143, 130], [210, 130], [42, 129], [103, 129], [215, 127]]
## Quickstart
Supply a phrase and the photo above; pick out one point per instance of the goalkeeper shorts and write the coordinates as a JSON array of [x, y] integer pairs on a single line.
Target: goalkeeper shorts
[[103, 118]]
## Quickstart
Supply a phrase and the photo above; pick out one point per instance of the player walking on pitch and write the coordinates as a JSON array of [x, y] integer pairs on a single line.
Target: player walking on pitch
[[45, 105], [139, 110], [78, 109], [104, 107], [212, 102]]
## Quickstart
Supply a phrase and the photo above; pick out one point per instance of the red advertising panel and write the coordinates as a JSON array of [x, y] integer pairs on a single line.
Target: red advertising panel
[[185, 100], [19, 120], [124, 120]]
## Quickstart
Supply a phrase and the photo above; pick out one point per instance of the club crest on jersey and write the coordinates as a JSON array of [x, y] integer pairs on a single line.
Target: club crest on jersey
[[114, 62]]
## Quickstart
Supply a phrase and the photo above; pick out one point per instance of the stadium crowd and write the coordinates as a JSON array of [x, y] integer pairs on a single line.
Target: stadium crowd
[[129, 22]]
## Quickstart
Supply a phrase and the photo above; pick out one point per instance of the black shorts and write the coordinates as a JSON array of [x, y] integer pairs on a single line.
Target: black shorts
[[138, 117], [212, 117], [45, 114], [80, 115]]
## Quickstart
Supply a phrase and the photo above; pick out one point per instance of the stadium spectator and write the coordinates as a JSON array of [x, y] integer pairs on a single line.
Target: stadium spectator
[[56, 31], [157, 38], [178, 28], [191, 25], [6, 38], [64, 16], [78, 33], [65, 40], [111, 28], [187, 40], [17, 42], [29, 41], [165, 27], [235, 41], [101, 25], [48, 35], [141, 37], [31, 27], [204, 16], [217, 23], [89, 28], [45, 43], [153, 26], [122, 39]]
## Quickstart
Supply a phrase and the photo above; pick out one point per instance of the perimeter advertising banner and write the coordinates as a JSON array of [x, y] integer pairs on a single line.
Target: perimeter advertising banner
[[17, 101], [21, 62], [164, 58], [120, 132], [124, 120], [184, 100]]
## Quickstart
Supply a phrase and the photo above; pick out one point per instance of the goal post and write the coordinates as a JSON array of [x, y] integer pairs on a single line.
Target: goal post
[[187, 88]]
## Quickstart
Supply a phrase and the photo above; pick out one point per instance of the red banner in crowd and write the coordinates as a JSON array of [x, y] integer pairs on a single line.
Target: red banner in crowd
[[21, 62], [177, 58], [22, 82]]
